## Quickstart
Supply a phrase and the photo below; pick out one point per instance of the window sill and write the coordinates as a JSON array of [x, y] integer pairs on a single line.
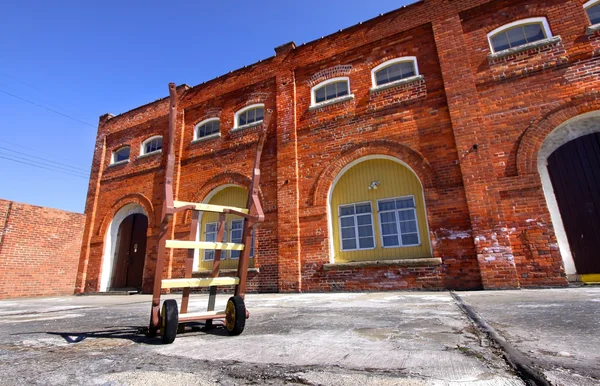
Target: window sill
[[149, 154], [247, 126], [232, 271], [396, 83], [525, 47], [206, 138], [416, 262], [119, 163], [331, 102], [592, 29]]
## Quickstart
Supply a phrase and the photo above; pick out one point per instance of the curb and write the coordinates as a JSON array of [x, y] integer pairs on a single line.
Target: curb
[[523, 366]]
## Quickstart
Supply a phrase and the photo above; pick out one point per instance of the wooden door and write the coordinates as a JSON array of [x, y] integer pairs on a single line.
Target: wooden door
[[574, 170], [131, 252]]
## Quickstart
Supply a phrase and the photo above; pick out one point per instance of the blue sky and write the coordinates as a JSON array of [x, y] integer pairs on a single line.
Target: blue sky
[[86, 58]]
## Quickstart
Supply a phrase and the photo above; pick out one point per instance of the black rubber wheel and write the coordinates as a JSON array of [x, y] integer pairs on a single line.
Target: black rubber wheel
[[235, 313], [169, 320]]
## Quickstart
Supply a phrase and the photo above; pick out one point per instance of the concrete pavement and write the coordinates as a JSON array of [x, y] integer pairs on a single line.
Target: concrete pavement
[[391, 338]]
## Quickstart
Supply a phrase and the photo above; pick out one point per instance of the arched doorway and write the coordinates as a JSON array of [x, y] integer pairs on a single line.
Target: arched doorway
[[377, 212], [130, 252], [574, 170], [127, 228]]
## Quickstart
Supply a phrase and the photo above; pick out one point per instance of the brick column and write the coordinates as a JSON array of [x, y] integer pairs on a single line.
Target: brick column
[[288, 224], [91, 204], [494, 253]]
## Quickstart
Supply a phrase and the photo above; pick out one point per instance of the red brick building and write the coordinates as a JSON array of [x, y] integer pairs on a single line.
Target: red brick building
[[447, 144], [39, 250]]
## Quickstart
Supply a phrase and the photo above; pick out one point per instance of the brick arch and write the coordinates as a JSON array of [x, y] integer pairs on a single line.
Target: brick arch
[[132, 198], [412, 158], [535, 135]]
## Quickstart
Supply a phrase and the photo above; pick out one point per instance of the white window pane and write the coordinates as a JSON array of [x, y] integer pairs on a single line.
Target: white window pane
[[242, 119], [405, 215], [260, 112], [408, 69], [209, 255], [330, 92], [365, 231], [347, 221], [408, 227], [533, 32], [381, 77], [390, 241], [386, 205], [342, 88], [594, 14], [346, 210], [394, 72], [366, 242], [405, 203], [389, 229], [411, 239], [348, 233], [363, 208], [364, 219], [500, 42], [320, 95], [211, 227], [516, 36], [349, 244], [388, 217], [234, 254]]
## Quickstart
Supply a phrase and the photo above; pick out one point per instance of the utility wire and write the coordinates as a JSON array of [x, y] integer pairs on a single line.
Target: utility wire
[[43, 159], [35, 150], [42, 167], [47, 108]]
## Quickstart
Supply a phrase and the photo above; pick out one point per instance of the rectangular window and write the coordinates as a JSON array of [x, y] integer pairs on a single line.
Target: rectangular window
[[235, 235], [210, 234], [398, 222], [356, 226]]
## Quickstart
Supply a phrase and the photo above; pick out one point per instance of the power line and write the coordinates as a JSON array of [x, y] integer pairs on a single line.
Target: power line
[[46, 108], [42, 167], [44, 159], [30, 148]]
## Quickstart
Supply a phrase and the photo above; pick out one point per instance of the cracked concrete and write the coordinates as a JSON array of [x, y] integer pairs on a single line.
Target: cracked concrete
[[391, 338]]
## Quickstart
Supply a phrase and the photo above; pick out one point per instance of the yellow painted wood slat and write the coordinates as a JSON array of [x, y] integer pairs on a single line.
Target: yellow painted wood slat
[[201, 314], [206, 282], [208, 207], [185, 244]]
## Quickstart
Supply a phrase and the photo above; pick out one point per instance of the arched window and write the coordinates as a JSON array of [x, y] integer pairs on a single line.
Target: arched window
[[151, 145], [207, 128], [519, 33], [592, 8], [330, 89], [394, 70], [230, 195], [249, 116], [120, 155], [378, 212]]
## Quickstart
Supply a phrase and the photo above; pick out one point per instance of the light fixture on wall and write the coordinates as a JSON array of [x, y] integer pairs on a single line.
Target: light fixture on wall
[[374, 185]]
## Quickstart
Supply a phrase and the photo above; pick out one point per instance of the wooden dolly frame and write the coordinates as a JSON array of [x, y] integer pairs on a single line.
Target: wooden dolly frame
[[168, 318]]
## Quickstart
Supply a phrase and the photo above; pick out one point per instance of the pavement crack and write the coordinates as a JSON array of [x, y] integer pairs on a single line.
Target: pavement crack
[[524, 367]]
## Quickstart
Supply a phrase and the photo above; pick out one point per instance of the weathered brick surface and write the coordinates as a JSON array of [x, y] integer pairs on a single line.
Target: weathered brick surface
[[486, 211], [39, 250]]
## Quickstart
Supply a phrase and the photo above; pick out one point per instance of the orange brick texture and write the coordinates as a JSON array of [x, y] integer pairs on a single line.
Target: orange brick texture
[[39, 250], [486, 211]]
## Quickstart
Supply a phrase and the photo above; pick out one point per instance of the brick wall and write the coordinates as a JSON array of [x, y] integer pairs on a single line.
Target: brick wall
[[488, 218], [39, 250]]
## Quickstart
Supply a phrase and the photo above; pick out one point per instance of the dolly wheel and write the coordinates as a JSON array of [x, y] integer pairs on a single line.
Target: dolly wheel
[[235, 315], [169, 320]]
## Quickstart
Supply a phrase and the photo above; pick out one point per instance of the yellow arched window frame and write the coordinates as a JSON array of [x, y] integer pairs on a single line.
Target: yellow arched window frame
[[378, 212]]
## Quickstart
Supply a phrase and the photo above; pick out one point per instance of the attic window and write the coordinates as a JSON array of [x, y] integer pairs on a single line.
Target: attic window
[[249, 116], [330, 90], [151, 145], [207, 128], [394, 70], [120, 155], [592, 8], [519, 33]]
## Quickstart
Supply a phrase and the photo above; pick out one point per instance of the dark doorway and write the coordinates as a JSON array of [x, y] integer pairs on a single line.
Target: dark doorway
[[574, 169], [131, 252]]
